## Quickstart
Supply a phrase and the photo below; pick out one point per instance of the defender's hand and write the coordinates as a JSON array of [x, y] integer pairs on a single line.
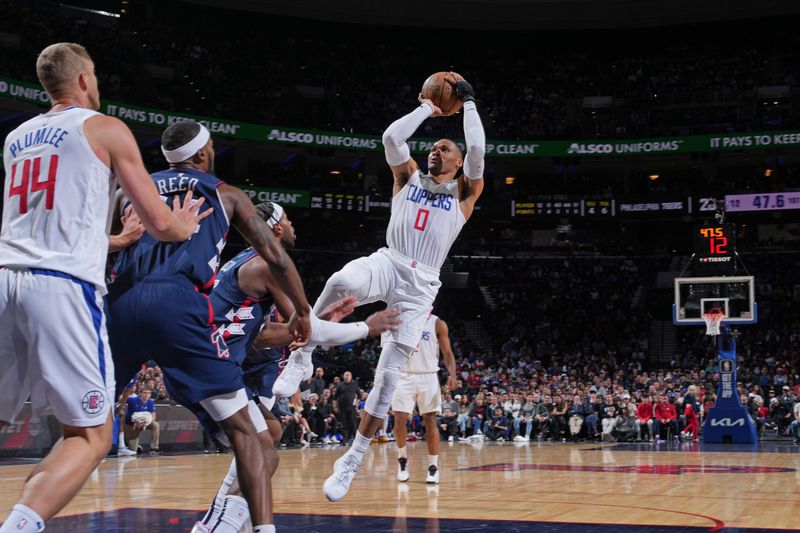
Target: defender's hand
[[132, 227], [451, 383], [383, 321], [300, 329], [339, 310]]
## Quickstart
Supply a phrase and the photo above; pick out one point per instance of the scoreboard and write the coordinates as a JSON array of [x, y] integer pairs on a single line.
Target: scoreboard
[[715, 249], [357, 203], [599, 207]]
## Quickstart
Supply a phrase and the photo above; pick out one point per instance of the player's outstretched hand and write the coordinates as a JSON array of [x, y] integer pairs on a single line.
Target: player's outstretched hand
[[381, 321], [436, 111], [339, 310], [463, 90], [188, 212], [300, 329], [132, 227]]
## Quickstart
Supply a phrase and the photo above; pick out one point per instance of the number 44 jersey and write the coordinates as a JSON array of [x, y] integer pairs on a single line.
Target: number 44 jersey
[[426, 219], [57, 198]]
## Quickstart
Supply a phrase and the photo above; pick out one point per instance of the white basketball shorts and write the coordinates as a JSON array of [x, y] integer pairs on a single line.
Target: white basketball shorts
[[55, 348], [420, 389], [404, 285]]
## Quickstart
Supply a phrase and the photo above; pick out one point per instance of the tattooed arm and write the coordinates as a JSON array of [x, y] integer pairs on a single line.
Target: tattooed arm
[[244, 217]]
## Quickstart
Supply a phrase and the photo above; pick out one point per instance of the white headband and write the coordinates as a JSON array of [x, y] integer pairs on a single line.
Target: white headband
[[182, 153], [276, 216]]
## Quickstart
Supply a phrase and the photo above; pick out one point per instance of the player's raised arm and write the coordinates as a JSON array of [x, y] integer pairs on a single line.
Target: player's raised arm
[[443, 336], [253, 228], [472, 184], [113, 138], [398, 154]]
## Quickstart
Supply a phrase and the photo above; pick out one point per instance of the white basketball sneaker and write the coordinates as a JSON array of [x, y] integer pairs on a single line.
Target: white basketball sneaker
[[433, 475], [298, 368], [199, 527], [344, 470], [402, 471]]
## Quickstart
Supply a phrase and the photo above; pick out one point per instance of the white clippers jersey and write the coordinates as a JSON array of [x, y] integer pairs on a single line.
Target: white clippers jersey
[[426, 219], [57, 197], [425, 358]]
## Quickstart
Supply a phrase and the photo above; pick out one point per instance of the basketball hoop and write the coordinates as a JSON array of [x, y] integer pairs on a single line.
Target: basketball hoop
[[713, 319]]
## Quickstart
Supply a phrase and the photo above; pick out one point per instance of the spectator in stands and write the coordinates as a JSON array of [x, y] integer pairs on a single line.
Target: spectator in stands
[[644, 418], [525, 419], [559, 412], [347, 394], [576, 415], [786, 403], [140, 415], [497, 428], [448, 424], [318, 383], [463, 410], [692, 412], [512, 405], [315, 418], [608, 412], [325, 413], [478, 416], [794, 427], [625, 429], [448, 402], [593, 410], [299, 414], [665, 415], [541, 416]]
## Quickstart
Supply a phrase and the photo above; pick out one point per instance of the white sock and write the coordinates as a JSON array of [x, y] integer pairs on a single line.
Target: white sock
[[213, 513], [269, 528], [385, 428], [235, 513], [22, 519], [360, 445], [402, 452], [433, 460]]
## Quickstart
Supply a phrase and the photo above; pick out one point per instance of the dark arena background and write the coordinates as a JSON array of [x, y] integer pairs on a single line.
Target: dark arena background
[[625, 140]]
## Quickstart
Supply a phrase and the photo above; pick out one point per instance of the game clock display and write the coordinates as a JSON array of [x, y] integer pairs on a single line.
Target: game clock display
[[715, 249]]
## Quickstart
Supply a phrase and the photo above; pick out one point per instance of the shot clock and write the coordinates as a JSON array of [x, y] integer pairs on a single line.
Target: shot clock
[[715, 250]]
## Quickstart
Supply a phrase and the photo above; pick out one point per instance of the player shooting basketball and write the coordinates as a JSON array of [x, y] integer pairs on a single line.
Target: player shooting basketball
[[428, 212]]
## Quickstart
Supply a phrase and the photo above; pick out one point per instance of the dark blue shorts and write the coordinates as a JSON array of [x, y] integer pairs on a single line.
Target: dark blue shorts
[[165, 319], [260, 378]]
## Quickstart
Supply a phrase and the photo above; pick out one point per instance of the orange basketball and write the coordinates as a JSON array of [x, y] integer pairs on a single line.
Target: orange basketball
[[437, 89]]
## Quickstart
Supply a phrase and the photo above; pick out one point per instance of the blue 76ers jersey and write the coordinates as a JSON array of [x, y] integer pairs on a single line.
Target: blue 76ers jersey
[[238, 316], [197, 258]]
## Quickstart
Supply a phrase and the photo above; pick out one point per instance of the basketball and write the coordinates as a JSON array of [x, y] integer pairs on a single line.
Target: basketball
[[439, 91]]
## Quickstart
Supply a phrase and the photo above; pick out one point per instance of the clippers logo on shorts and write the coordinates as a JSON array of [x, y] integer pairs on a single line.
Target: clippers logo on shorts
[[93, 402]]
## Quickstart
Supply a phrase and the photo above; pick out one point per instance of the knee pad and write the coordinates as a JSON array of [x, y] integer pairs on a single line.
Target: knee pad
[[393, 358]]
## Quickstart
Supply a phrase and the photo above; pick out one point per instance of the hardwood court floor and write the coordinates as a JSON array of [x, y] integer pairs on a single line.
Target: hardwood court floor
[[549, 486]]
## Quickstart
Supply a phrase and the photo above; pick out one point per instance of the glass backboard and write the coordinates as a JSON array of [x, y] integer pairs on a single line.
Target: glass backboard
[[735, 295]]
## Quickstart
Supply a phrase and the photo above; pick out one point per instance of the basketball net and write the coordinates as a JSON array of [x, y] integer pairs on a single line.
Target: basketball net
[[713, 319]]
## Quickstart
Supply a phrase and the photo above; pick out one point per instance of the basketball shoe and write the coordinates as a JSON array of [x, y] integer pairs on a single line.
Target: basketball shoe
[[298, 368], [402, 471], [338, 484]]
